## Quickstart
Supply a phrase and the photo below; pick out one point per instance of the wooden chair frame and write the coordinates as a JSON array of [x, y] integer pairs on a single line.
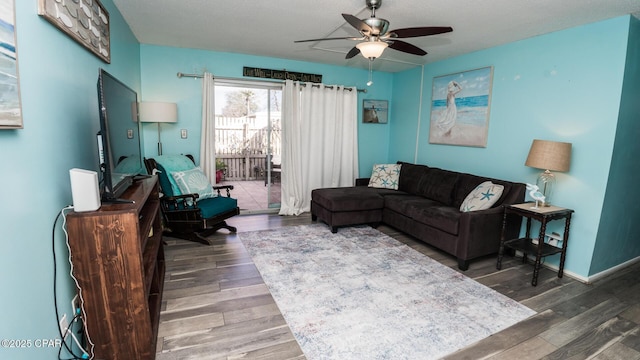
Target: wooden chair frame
[[182, 218]]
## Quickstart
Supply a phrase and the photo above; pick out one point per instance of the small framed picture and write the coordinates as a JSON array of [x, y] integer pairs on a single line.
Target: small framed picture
[[375, 111]]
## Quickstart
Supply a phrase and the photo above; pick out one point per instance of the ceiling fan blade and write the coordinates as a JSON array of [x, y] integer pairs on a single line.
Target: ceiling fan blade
[[420, 31], [333, 38], [353, 52], [406, 47], [360, 25]]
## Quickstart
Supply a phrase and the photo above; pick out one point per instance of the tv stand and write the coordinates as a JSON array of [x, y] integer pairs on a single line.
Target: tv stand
[[118, 261], [117, 201]]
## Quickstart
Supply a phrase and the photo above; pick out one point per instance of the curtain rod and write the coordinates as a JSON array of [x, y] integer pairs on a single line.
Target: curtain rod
[[181, 75]]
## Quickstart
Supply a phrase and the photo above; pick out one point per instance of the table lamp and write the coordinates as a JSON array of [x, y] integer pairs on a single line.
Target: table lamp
[[158, 112], [548, 156]]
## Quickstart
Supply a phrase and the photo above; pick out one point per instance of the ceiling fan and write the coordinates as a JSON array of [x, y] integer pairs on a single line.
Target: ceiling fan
[[376, 35]]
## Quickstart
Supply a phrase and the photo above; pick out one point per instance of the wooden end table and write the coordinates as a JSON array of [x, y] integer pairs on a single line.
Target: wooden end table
[[544, 214]]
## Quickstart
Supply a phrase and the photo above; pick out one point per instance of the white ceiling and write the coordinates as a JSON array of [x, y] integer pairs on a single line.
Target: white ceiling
[[269, 28]]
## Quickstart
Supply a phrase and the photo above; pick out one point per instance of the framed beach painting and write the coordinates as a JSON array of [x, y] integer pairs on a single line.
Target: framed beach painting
[[460, 108], [375, 111], [10, 108]]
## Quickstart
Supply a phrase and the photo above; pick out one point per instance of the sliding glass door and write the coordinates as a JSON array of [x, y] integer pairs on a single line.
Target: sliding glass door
[[248, 146]]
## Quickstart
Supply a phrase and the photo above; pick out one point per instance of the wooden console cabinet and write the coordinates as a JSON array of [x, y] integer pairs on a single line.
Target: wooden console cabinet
[[118, 261]]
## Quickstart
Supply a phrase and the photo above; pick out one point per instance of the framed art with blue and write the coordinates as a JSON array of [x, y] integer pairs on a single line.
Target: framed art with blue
[[375, 111], [460, 105], [10, 106]]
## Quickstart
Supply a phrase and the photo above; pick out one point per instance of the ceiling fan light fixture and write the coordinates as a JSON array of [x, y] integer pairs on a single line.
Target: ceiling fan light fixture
[[372, 49]]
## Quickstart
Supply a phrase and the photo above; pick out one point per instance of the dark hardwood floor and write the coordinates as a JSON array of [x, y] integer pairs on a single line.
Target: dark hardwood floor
[[215, 305]]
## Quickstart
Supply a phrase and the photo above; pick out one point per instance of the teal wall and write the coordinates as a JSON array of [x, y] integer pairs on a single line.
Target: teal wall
[[160, 83], [563, 86], [407, 98], [60, 111], [617, 238]]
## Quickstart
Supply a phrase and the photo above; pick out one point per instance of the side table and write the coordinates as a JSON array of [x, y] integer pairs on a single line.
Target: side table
[[544, 214]]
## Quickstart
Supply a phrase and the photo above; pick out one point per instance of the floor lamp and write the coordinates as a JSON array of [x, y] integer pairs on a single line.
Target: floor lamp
[[158, 112]]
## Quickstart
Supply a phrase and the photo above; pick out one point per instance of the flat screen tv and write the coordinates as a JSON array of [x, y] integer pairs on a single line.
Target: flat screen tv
[[119, 143]]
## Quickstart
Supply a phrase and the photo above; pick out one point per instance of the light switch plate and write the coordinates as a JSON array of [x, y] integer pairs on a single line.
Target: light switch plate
[[183, 133]]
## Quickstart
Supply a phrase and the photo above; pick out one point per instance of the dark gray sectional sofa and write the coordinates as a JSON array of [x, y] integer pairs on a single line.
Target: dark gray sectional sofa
[[426, 206]]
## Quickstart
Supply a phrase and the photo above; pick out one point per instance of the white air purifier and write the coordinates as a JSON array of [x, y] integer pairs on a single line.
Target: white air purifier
[[84, 190]]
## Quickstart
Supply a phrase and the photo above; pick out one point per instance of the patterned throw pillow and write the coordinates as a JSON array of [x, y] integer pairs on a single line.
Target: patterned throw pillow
[[194, 181], [170, 163], [482, 197], [385, 176]]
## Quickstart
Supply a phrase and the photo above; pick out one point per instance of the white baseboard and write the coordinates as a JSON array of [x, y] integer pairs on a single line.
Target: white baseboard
[[610, 271], [591, 278]]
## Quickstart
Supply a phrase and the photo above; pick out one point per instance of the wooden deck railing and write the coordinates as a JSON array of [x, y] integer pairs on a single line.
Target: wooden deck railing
[[243, 146], [243, 167]]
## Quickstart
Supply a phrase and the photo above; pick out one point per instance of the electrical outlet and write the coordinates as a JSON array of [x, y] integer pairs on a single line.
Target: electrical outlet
[[75, 307], [64, 325]]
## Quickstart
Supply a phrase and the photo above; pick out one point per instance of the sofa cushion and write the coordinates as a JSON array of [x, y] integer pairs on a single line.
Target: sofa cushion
[[438, 184], [482, 197], [385, 176], [400, 203], [348, 198], [445, 218], [410, 175]]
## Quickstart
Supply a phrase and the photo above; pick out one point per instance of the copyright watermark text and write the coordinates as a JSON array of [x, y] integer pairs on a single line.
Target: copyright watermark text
[[29, 343]]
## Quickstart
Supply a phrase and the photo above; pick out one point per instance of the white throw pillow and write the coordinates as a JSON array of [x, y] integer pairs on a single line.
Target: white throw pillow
[[482, 197], [385, 176], [194, 181]]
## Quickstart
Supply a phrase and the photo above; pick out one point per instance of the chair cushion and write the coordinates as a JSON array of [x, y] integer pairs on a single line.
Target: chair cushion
[[164, 180], [217, 205], [168, 164], [194, 181]]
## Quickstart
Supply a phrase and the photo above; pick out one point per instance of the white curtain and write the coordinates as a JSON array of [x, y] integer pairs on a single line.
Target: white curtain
[[207, 139], [319, 142]]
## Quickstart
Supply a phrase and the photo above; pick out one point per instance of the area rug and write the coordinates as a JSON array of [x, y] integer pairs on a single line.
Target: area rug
[[360, 294]]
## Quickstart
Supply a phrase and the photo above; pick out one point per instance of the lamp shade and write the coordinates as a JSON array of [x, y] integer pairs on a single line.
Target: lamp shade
[[549, 155], [372, 49], [158, 112]]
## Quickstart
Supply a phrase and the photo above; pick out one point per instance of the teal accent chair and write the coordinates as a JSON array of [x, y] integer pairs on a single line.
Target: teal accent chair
[[186, 216]]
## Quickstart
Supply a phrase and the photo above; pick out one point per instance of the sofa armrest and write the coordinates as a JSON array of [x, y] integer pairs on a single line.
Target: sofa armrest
[[362, 182], [480, 231]]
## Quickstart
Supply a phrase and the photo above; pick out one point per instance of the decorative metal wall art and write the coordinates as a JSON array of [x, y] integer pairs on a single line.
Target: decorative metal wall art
[[86, 21]]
